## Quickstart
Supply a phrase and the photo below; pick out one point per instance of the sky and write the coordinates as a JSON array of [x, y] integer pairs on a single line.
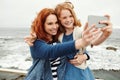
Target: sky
[[20, 13]]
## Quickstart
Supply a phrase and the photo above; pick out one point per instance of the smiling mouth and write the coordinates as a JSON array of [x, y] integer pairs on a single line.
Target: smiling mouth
[[68, 23], [53, 31]]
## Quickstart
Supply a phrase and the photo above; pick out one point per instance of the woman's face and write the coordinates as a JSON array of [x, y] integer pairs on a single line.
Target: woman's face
[[66, 19], [51, 25]]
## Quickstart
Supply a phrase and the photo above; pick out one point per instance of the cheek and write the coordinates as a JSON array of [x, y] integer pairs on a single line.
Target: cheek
[[47, 29], [62, 22], [73, 19], [57, 25]]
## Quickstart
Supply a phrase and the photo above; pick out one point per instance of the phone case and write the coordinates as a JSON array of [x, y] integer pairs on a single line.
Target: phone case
[[95, 20]]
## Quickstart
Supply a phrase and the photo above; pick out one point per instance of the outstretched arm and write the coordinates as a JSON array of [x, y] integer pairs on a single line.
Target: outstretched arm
[[105, 32], [40, 50]]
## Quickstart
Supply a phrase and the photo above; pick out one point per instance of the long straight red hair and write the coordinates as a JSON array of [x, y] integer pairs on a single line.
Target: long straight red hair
[[38, 27]]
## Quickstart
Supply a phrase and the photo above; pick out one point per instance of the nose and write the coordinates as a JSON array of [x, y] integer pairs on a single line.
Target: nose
[[68, 19], [55, 26]]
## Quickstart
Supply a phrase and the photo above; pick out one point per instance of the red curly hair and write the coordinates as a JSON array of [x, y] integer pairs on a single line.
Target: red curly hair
[[38, 27]]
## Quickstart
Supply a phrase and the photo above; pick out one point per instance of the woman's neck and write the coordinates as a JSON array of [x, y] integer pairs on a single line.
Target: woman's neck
[[50, 38], [69, 31]]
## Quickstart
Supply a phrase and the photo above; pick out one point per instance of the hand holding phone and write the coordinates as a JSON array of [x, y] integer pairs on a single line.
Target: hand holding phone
[[92, 19]]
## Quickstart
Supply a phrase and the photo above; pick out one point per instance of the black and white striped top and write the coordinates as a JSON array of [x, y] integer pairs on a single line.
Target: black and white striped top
[[54, 64]]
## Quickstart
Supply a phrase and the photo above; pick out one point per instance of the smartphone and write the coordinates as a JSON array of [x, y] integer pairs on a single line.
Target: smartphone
[[92, 19]]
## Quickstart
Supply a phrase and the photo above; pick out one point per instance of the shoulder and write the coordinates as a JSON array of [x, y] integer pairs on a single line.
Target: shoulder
[[39, 42], [78, 29], [77, 33]]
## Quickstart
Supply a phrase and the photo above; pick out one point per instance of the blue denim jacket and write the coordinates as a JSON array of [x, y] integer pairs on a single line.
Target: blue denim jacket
[[41, 52], [41, 70], [74, 73]]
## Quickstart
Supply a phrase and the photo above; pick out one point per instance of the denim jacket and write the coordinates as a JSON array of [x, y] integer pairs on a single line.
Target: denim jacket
[[41, 52], [41, 70]]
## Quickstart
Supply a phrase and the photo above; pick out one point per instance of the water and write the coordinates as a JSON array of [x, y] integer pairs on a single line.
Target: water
[[101, 58], [14, 52]]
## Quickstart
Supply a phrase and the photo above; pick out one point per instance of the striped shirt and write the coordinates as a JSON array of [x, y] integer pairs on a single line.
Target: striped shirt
[[54, 64]]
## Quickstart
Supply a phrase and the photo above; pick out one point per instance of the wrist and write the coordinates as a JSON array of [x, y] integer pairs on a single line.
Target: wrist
[[79, 44]]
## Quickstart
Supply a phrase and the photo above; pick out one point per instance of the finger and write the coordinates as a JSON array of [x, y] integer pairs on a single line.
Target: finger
[[105, 22], [33, 35], [107, 27], [90, 39], [108, 16], [75, 63], [109, 30], [32, 40], [88, 36], [86, 26], [89, 29], [73, 60], [76, 56], [28, 42], [96, 32], [26, 39]]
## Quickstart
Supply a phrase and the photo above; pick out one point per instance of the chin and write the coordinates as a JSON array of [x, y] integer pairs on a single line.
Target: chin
[[54, 33]]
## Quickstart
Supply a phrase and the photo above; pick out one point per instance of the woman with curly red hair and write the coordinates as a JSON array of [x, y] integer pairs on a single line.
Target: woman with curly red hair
[[47, 53]]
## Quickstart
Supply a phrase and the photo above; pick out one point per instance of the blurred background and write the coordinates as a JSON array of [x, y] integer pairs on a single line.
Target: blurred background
[[16, 17]]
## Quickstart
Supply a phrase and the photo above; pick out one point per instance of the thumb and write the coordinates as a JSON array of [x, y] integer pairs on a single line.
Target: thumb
[[86, 26]]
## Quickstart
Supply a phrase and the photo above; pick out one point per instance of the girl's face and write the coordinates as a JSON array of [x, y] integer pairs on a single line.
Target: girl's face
[[51, 25], [66, 19]]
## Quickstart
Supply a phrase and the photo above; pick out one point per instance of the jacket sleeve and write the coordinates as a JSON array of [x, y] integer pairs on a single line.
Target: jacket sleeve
[[44, 51]]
